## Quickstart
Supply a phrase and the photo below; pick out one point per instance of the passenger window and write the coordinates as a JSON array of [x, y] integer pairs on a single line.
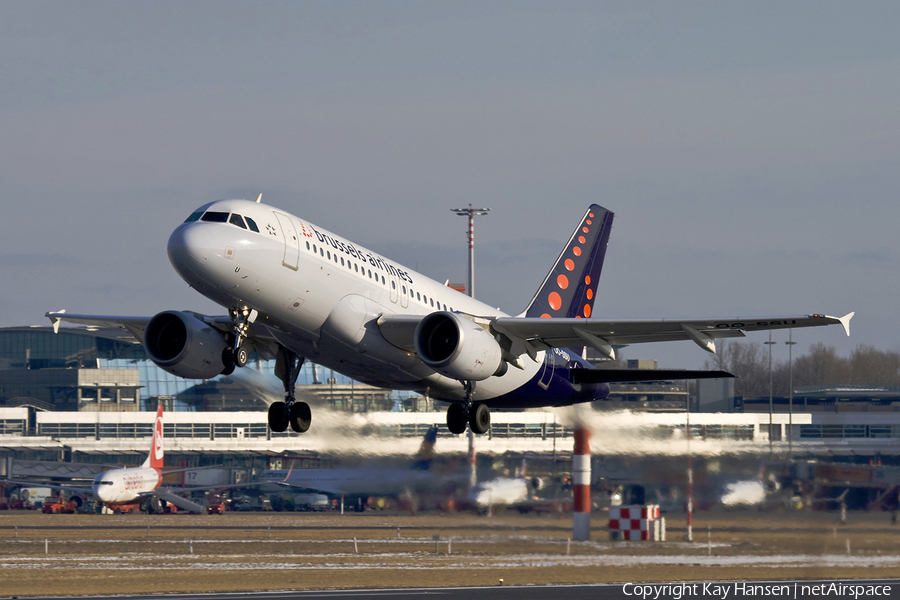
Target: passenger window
[[356, 267], [393, 285], [307, 243], [314, 249], [252, 225], [342, 261], [215, 217], [236, 219], [321, 251], [418, 296], [329, 255], [383, 282], [194, 217], [432, 303]]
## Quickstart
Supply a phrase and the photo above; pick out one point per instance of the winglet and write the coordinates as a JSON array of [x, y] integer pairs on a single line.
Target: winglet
[[845, 322], [259, 198], [55, 319]]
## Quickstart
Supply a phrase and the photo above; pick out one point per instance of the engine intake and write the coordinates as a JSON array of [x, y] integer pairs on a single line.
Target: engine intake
[[456, 347], [183, 345]]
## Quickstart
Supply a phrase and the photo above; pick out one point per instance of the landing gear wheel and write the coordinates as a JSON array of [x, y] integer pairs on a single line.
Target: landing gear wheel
[[278, 421], [456, 418], [289, 412], [300, 417], [241, 357], [155, 506], [480, 418], [228, 361]]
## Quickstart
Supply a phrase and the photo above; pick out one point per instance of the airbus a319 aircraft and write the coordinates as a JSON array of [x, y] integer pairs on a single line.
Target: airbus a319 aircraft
[[294, 291]]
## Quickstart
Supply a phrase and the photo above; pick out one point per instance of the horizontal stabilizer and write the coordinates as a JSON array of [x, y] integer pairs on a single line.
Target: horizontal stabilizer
[[623, 375]]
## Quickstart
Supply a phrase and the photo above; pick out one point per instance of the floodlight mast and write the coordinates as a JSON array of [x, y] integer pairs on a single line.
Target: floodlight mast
[[470, 236]]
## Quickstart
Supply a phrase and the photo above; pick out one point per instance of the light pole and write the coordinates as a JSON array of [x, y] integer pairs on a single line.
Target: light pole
[[790, 344], [769, 344], [470, 236]]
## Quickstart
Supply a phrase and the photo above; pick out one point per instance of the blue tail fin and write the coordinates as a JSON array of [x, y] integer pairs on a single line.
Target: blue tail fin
[[570, 288], [426, 451]]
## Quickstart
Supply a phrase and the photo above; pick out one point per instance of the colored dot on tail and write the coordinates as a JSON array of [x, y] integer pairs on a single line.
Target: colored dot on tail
[[554, 300], [570, 264], [562, 281]]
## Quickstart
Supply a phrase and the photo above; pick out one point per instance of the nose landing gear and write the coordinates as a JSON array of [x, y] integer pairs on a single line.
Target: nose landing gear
[[290, 412], [237, 355]]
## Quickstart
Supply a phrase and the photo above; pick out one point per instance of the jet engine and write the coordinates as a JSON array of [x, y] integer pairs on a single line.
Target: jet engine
[[456, 347], [181, 344]]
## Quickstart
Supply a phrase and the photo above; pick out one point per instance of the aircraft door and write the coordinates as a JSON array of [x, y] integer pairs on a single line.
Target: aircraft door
[[546, 371], [404, 295], [291, 242], [395, 287]]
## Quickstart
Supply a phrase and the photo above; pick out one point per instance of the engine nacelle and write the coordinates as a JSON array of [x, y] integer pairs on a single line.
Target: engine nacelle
[[183, 345], [456, 347]]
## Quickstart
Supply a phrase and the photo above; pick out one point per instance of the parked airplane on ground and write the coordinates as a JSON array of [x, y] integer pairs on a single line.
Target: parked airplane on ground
[[295, 291], [503, 491], [136, 485], [363, 482]]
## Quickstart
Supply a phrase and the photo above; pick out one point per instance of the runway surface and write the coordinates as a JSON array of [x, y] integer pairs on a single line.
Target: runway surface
[[385, 555], [885, 588]]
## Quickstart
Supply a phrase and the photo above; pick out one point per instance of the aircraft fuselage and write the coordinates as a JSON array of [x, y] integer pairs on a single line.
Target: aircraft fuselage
[[320, 296]]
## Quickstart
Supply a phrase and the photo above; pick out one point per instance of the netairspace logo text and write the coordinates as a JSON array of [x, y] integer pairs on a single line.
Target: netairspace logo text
[[740, 589]]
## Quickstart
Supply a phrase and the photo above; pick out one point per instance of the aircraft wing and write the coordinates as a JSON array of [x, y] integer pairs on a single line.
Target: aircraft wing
[[133, 327], [182, 503], [531, 335]]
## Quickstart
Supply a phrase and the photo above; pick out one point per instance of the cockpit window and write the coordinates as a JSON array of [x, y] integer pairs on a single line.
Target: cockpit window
[[236, 219], [215, 217], [252, 224], [194, 217]]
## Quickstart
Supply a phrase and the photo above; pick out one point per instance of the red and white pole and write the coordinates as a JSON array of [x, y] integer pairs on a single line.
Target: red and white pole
[[473, 476], [581, 480]]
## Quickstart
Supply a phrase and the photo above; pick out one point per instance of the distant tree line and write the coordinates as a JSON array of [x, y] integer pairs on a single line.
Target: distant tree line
[[866, 365]]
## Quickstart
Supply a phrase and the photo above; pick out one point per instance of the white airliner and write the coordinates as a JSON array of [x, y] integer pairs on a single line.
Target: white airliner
[[120, 487], [295, 291]]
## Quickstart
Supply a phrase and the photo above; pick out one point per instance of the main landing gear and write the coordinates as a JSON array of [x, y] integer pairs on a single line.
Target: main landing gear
[[475, 415], [290, 412]]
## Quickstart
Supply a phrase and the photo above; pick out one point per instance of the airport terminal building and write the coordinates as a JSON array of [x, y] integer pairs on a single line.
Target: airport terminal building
[[87, 394]]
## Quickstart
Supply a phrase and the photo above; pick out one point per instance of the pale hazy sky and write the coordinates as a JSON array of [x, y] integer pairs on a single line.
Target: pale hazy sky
[[750, 151]]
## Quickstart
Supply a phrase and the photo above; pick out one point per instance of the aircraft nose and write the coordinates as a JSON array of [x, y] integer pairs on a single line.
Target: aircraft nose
[[102, 492], [189, 243]]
